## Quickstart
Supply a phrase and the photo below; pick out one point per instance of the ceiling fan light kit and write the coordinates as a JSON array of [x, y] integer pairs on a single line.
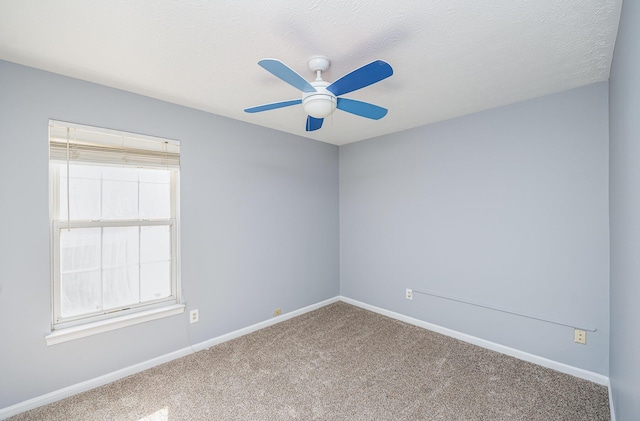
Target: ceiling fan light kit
[[321, 98], [321, 103]]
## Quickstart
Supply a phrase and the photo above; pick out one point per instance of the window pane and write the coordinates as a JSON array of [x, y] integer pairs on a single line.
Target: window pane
[[155, 281], [119, 174], [155, 258], [154, 176], [120, 261], [119, 199], [79, 250], [84, 187], [155, 201], [120, 247], [85, 199], [121, 286], [80, 285], [81, 171], [155, 194], [155, 244], [80, 292]]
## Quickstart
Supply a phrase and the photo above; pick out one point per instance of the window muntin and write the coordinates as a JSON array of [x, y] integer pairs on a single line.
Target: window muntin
[[114, 230]]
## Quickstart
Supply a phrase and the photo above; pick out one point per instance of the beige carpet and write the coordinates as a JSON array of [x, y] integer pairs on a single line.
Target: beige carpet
[[339, 363]]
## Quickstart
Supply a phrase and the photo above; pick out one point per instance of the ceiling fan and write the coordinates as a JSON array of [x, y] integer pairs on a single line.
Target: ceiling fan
[[321, 98]]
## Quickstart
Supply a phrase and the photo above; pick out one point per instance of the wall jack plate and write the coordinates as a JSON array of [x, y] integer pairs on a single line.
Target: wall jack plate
[[409, 294], [580, 336], [193, 316]]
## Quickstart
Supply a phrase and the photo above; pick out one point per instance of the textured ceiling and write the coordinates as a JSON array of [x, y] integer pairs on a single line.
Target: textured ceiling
[[450, 58]]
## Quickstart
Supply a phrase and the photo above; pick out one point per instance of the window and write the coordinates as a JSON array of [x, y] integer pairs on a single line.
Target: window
[[114, 239]]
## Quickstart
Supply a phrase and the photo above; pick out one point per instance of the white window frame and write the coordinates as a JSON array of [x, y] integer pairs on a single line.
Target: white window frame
[[69, 328]]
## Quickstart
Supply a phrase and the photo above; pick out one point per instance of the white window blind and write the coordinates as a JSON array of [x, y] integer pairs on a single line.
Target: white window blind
[[76, 143]]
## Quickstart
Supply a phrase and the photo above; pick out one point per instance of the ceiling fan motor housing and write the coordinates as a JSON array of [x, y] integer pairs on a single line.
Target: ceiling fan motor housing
[[321, 103]]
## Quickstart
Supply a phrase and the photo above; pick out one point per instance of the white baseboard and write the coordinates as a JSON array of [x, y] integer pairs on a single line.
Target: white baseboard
[[270, 322], [611, 407], [545, 362], [90, 384], [136, 368], [145, 365]]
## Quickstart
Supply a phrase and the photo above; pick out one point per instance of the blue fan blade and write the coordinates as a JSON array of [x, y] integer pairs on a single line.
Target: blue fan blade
[[363, 109], [284, 72], [313, 123], [359, 78], [272, 106]]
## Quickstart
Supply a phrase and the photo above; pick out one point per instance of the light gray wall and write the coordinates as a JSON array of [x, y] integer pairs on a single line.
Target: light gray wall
[[259, 227], [507, 207], [624, 132]]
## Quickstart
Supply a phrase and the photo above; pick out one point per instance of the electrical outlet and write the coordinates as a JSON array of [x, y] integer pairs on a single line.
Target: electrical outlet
[[277, 312], [580, 336], [409, 294], [193, 316]]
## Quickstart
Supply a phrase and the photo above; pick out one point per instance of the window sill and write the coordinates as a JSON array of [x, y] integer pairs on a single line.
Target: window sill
[[77, 332]]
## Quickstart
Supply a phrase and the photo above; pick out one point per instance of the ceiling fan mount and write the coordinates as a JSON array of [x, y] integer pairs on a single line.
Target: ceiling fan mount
[[321, 98], [318, 64]]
